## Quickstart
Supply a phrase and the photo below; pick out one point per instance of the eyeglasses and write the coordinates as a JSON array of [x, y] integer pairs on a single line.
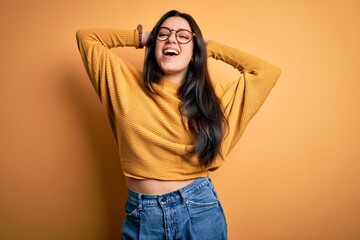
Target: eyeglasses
[[183, 36]]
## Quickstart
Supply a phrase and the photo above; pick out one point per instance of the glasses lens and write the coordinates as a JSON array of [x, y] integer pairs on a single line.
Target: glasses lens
[[184, 36], [163, 34]]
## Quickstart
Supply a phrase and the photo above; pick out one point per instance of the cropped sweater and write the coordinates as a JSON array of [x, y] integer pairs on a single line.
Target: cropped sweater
[[152, 140]]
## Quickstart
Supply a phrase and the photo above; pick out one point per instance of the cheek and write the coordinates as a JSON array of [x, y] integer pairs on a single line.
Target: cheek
[[157, 52], [189, 54]]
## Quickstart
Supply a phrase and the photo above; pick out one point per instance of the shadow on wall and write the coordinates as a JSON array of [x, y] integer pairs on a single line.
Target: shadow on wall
[[100, 143]]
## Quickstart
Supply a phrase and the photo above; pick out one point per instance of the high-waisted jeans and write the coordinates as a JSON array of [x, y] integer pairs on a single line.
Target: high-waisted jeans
[[193, 212]]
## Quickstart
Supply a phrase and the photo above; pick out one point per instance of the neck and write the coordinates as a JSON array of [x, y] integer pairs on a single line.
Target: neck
[[177, 78]]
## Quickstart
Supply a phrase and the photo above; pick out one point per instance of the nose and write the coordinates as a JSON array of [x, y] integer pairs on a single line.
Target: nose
[[172, 37]]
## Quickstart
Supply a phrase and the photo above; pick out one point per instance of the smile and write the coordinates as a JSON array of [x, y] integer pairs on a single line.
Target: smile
[[170, 52]]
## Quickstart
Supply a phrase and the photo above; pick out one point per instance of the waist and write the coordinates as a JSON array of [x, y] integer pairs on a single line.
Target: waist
[[155, 187], [170, 197]]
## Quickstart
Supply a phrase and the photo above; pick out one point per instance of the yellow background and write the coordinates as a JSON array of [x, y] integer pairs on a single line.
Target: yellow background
[[293, 175]]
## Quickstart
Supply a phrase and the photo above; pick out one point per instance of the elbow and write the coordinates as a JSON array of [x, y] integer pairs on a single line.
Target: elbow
[[274, 73], [271, 74], [82, 34], [79, 34], [277, 71]]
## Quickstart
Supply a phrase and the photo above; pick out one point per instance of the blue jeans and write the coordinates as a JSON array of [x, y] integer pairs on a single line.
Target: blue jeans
[[193, 212]]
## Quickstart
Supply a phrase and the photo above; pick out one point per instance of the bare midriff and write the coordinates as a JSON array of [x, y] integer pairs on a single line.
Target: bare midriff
[[155, 187]]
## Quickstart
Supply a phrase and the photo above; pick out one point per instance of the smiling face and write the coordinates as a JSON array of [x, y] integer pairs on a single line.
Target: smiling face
[[172, 57]]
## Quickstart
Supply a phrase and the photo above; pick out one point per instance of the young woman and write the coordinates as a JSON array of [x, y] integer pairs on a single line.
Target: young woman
[[171, 123]]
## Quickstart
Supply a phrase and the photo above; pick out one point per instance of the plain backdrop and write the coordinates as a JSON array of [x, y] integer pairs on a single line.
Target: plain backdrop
[[294, 175]]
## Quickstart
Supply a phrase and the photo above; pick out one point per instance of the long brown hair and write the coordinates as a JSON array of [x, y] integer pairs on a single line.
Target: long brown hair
[[199, 104]]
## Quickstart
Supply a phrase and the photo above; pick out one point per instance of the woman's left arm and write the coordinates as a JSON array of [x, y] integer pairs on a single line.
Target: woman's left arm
[[257, 69], [241, 99]]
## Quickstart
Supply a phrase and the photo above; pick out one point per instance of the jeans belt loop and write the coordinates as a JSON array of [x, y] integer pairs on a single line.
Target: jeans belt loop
[[182, 195], [140, 201]]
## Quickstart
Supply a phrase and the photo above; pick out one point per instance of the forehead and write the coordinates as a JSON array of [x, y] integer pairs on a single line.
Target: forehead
[[176, 23]]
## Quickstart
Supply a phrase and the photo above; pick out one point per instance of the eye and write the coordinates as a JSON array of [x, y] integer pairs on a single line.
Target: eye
[[163, 33], [184, 35]]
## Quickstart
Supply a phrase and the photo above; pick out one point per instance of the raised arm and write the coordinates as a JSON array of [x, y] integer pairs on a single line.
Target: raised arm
[[94, 45], [241, 99], [244, 62]]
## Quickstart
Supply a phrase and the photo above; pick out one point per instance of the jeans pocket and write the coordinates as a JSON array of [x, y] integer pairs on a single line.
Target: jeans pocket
[[206, 215], [204, 198], [132, 211]]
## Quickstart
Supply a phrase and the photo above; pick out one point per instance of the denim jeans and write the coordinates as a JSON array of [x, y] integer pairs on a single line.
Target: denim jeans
[[193, 212]]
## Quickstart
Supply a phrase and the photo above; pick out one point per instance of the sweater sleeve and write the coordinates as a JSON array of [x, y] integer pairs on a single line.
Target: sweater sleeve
[[94, 46], [241, 99], [111, 76]]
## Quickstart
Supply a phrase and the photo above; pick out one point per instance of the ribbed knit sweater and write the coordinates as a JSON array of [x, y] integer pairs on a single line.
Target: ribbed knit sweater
[[148, 128]]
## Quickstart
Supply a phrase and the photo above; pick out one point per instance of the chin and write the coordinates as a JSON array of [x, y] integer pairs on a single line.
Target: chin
[[170, 70]]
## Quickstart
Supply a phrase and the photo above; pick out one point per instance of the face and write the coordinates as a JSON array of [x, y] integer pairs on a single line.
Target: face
[[173, 57]]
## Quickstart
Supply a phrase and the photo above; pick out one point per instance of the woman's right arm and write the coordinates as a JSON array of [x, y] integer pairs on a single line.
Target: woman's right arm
[[94, 46]]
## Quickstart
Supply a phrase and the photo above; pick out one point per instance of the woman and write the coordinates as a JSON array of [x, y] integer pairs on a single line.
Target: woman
[[171, 124]]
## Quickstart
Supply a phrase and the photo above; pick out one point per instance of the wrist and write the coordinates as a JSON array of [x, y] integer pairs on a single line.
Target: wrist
[[139, 29]]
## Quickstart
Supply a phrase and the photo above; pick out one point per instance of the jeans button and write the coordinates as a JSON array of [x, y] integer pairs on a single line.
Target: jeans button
[[163, 199]]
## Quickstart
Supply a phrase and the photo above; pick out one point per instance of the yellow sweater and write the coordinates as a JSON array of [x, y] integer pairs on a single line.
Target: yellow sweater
[[150, 135]]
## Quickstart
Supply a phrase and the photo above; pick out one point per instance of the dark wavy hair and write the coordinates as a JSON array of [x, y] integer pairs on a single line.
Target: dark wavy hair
[[199, 104]]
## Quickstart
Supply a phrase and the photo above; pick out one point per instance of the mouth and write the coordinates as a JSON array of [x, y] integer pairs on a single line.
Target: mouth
[[171, 52]]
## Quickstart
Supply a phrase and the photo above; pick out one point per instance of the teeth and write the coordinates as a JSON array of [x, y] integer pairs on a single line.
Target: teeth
[[171, 51]]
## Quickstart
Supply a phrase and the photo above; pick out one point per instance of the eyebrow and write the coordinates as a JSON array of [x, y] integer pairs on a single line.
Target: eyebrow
[[175, 29]]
